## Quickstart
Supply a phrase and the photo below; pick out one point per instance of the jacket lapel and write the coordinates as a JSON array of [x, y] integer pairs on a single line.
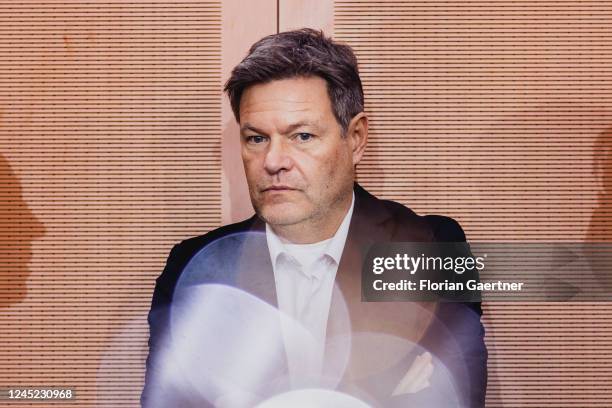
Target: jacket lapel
[[373, 222], [367, 227]]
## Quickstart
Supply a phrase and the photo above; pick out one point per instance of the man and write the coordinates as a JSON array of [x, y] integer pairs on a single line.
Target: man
[[298, 99]]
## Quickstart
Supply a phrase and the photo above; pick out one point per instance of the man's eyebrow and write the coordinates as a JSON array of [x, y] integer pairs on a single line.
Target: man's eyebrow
[[288, 129], [248, 126], [297, 125]]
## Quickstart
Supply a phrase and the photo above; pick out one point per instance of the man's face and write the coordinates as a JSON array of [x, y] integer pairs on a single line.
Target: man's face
[[298, 166]]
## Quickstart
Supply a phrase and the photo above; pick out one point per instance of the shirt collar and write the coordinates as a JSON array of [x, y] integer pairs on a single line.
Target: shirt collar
[[334, 248]]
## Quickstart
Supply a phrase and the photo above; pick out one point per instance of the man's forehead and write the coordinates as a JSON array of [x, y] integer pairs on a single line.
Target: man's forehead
[[286, 104], [275, 104], [291, 94]]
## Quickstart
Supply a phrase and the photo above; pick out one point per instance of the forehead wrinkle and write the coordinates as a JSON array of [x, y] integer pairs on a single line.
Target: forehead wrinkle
[[266, 100], [293, 98], [264, 110], [252, 107], [284, 120]]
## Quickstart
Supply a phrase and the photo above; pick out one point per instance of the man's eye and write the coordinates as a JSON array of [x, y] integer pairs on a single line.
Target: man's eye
[[303, 137], [256, 139]]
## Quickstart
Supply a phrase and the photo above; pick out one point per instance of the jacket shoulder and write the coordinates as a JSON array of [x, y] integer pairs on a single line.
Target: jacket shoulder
[[200, 241], [445, 229], [184, 251], [430, 227]]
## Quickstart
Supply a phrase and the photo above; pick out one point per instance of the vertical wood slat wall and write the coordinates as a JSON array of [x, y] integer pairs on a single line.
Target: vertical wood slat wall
[[110, 153], [498, 113]]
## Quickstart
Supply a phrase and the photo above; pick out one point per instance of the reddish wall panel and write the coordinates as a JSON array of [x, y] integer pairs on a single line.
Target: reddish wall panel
[[110, 140], [496, 113]]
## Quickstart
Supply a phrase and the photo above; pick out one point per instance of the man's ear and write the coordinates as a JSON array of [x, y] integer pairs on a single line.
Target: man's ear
[[357, 135]]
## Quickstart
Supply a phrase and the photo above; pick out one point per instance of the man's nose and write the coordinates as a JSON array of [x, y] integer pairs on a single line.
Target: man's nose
[[278, 157]]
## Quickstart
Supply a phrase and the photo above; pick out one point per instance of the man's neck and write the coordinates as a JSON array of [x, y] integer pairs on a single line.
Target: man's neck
[[309, 231]]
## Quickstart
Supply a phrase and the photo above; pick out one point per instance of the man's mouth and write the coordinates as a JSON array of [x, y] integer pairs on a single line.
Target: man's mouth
[[278, 188]]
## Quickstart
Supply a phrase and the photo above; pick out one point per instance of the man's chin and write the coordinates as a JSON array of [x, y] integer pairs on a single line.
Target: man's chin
[[281, 214]]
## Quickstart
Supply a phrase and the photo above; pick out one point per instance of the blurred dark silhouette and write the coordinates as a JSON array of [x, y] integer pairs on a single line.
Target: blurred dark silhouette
[[600, 229], [18, 229]]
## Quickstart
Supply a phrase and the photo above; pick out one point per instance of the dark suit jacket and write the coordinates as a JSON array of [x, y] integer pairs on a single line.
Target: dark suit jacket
[[455, 336]]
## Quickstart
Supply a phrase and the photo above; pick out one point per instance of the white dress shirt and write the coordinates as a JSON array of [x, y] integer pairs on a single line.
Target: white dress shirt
[[304, 276]]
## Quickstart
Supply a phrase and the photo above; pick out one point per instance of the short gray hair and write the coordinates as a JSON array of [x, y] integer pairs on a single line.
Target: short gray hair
[[301, 53]]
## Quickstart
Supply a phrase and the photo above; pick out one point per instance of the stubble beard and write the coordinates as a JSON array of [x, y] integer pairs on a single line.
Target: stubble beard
[[316, 216], [277, 217]]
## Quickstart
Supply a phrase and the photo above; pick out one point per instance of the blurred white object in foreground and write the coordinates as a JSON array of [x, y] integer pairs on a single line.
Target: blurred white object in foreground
[[313, 398]]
